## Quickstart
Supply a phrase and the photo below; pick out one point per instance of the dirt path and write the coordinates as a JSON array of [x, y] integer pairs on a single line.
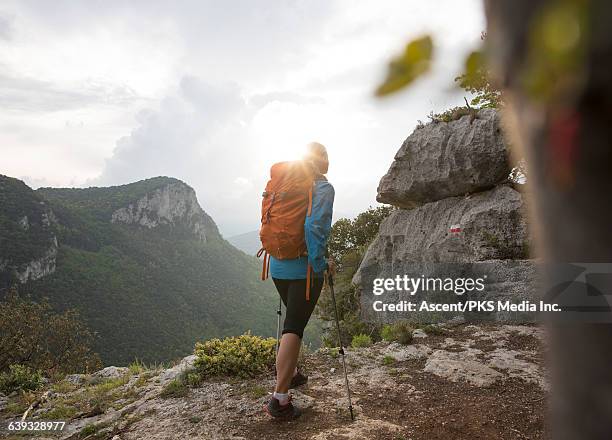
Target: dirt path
[[402, 401]]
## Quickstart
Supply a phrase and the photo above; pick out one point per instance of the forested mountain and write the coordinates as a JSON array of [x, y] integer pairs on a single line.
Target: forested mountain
[[143, 264]]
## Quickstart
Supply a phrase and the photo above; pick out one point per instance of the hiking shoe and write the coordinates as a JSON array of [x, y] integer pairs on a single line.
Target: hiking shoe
[[297, 380], [278, 411]]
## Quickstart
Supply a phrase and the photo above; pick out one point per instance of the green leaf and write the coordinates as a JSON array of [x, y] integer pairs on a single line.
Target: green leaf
[[474, 63], [404, 69]]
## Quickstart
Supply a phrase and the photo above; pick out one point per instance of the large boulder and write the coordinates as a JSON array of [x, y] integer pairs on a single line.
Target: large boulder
[[483, 235], [491, 225], [444, 159], [185, 365], [111, 372]]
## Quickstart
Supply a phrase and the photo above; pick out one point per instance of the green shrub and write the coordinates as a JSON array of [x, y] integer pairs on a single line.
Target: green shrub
[[361, 340], [387, 334], [192, 379], [452, 114], [400, 332], [434, 330], [243, 356], [388, 360], [16, 408], [88, 430], [64, 387], [403, 332], [91, 429], [20, 377], [60, 411]]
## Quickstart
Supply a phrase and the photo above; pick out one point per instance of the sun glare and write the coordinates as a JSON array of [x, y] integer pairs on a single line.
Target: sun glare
[[278, 134]]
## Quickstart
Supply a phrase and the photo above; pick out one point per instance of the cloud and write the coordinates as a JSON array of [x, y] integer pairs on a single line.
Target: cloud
[[33, 95], [195, 135], [177, 135], [263, 99], [213, 92], [6, 27]]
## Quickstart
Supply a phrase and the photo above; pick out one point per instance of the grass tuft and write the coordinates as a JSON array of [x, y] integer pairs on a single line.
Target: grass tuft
[[173, 389]]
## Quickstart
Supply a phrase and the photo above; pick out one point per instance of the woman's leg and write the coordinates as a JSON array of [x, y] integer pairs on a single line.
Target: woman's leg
[[298, 313], [286, 361]]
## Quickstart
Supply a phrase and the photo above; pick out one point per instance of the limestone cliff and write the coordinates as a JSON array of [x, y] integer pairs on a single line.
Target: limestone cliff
[[39, 267], [172, 204], [28, 240]]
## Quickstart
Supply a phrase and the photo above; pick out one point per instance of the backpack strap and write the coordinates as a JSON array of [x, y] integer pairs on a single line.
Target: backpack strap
[[265, 270], [309, 201], [308, 279], [309, 267]]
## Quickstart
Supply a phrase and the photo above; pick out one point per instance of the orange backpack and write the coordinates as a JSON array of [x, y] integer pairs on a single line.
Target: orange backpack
[[286, 202]]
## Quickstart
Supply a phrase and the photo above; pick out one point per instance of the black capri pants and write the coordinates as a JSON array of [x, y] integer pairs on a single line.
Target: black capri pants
[[293, 295]]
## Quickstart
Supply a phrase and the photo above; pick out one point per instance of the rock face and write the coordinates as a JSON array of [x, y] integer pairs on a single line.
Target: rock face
[[492, 227], [39, 267], [28, 227], [447, 159], [169, 205], [458, 220], [461, 367]]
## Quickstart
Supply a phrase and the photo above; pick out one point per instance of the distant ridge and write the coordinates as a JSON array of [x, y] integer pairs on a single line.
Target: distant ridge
[[248, 242]]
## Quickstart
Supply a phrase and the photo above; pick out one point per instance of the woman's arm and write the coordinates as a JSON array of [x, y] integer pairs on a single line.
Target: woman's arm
[[318, 224]]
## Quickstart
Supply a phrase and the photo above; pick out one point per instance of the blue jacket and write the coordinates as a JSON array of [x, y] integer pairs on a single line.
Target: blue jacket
[[317, 227]]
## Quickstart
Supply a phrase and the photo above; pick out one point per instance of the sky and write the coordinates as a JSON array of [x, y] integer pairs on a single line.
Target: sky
[[98, 93]]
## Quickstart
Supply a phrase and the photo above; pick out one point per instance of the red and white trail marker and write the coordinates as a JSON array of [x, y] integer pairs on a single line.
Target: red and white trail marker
[[455, 229]]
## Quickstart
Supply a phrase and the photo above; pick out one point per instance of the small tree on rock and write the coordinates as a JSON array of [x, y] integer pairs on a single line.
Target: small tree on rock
[[32, 334]]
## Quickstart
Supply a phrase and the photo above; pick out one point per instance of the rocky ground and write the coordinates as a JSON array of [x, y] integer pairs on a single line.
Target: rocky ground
[[472, 382]]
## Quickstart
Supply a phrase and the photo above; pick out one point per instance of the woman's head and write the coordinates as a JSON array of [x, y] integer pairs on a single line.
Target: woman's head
[[316, 153]]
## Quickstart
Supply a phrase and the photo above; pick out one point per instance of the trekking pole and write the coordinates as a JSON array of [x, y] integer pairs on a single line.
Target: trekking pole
[[330, 281], [278, 323]]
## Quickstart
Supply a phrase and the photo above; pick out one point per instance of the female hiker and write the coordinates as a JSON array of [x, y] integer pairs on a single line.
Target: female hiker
[[296, 221]]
